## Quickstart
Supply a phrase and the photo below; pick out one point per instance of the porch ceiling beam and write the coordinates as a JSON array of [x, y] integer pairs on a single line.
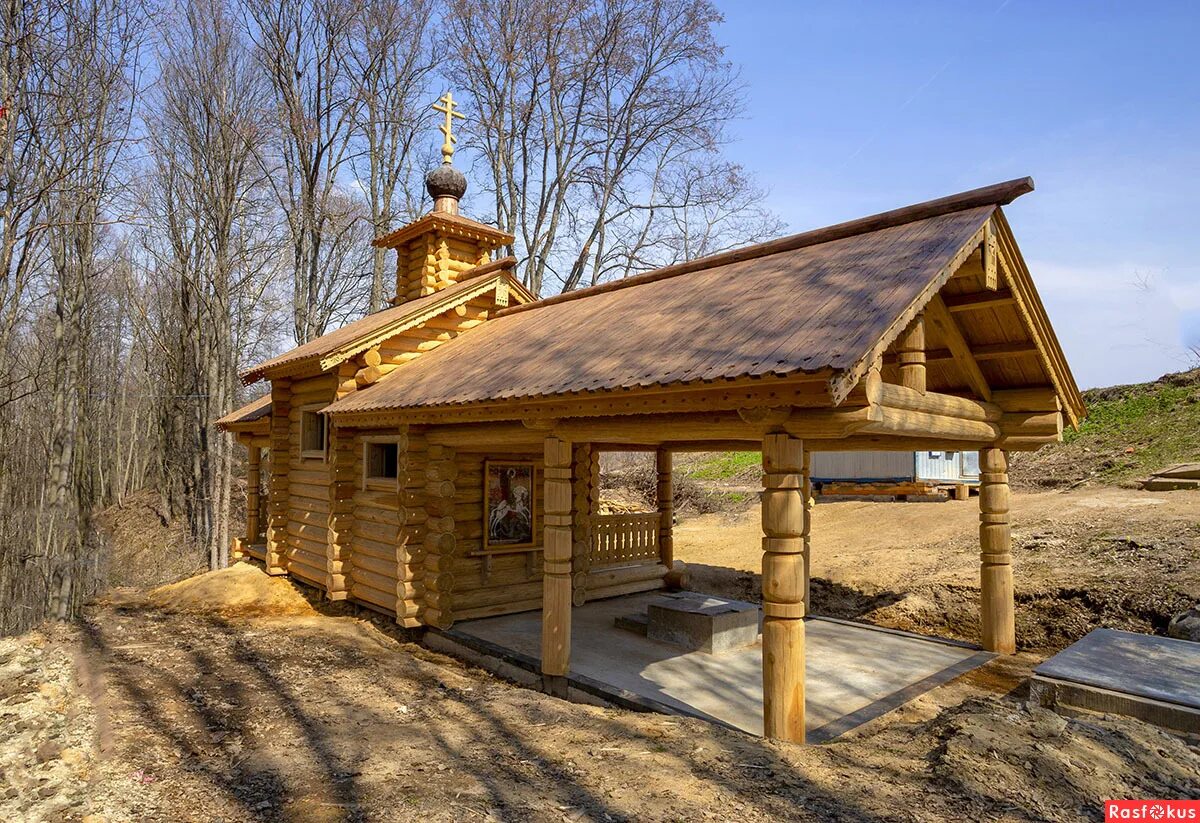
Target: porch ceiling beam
[[973, 301], [939, 315], [986, 351]]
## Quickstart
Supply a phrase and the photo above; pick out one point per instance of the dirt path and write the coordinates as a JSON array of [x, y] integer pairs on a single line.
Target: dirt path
[[1083, 558], [324, 718]]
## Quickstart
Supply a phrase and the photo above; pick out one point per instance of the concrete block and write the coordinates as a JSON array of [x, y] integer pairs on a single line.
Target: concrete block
[[702, 623], [1156, 679]]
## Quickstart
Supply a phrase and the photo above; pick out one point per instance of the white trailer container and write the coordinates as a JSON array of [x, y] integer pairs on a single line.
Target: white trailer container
[[946, 467]]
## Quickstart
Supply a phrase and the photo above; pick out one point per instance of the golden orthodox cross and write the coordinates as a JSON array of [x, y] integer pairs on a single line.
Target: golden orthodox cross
[[446, 107]]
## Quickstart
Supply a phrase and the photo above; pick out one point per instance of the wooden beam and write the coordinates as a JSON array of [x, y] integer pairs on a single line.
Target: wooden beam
[[937, 313], [984, 351], [949, 405], [974, 301]]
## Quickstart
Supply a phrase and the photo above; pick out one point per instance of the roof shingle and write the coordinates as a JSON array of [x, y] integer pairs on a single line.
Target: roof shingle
[[798, 310]]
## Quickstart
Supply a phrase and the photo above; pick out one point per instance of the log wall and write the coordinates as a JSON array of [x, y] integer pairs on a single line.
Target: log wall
[[374, 578], [498, 582], [308, 488]]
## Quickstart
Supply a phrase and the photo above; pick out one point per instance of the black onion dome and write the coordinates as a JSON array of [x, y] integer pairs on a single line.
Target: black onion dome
[[446, 181]]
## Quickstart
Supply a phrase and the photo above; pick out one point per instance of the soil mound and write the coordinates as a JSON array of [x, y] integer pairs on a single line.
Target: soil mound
[[241, 589], [1051, 767]]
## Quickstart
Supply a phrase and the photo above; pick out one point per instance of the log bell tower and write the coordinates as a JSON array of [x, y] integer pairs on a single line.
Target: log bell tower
[[433, 252]]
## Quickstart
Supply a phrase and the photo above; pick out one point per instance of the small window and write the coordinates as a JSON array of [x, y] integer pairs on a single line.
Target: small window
[[383, 461], [312, 434], [951, 455], [935, 455]]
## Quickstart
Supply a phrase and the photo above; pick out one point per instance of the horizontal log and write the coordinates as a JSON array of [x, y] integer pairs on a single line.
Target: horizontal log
[[377, 566], [623, 589], [299, 568], [374, 547], [378, 597], [948, 405], [384, 533], [317, 534], [381, 582], [374, 514], [309, 491], [922, 424], [1031, 424], [603, 578], [533, 604], [312, 548], [1027, 400], [386, 500], [493, 595]]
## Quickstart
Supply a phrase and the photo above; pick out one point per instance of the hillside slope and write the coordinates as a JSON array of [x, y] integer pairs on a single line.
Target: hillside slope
[[1130, 432]]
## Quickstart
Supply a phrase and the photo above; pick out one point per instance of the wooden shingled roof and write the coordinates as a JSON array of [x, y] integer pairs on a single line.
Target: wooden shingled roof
[[252, 412], [354, 338], [819, 302]]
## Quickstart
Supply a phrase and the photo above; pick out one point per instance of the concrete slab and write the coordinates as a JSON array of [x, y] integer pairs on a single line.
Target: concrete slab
[[1153, 678], [702, 623], [855, 673]]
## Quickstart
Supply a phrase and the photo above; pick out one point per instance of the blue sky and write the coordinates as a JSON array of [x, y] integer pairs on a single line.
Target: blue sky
[[858, 107]]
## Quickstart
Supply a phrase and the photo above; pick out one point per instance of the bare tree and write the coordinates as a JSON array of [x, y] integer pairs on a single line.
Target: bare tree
[[595, 118], [392, 60], [208, 128], [301, 48]]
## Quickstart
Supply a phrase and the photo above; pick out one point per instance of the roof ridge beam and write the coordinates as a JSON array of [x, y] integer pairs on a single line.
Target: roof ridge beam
[[994, 195]]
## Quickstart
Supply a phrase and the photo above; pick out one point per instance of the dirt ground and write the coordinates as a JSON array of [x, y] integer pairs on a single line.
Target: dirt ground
[[158, 708], [1083, 558], [234, 696]]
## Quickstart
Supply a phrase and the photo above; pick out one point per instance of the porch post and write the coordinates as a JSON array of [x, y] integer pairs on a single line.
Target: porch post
[[666, 509], [995, 558], [783, 519], [253, 477], [806, 491], [556, 554]]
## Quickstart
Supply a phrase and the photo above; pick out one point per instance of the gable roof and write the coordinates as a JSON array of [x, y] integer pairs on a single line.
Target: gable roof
[[827, 300], [333, 348]]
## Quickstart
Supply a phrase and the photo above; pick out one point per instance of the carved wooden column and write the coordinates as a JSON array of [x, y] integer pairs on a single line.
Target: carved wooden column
[[556, 580], [783, 588], [995, 558], [910, 351], [806, 491], [666, 508], [583, 493], [253, 478]]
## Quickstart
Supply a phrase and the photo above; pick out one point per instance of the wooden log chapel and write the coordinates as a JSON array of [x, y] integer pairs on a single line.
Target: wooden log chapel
[[439, 460]]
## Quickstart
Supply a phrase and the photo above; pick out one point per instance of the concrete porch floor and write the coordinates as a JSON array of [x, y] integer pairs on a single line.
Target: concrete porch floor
[[854, 672]]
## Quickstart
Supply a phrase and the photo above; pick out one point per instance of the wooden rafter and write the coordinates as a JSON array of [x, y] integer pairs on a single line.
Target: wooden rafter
[[937, 313], [986, 351], [974, 301]]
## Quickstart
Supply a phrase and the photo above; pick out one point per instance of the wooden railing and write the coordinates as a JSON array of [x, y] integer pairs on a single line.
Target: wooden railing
[[624, 539]]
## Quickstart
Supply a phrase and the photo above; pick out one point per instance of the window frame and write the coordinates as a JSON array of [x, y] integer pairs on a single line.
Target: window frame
[[384, 483], [314, 454]]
